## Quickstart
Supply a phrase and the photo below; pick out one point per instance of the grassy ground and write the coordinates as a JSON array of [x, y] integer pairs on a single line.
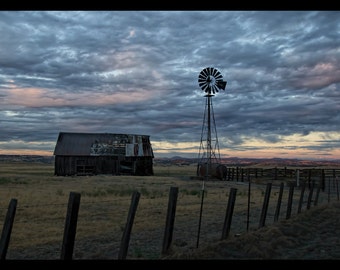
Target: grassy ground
[[105, 201]]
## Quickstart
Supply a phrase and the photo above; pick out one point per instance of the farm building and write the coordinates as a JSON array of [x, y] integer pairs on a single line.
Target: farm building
[[102, 153]]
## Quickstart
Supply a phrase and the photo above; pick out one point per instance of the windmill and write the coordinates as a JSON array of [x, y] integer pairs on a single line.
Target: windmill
[[211, 82]]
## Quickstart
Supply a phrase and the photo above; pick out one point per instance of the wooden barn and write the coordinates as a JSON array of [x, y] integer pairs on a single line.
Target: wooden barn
[[102, 153]]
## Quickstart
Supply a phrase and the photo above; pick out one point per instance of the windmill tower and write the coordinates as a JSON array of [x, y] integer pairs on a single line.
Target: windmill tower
[[211, 81]]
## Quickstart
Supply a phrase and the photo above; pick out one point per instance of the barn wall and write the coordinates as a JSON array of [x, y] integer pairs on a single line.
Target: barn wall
[[144, 166], [63, 165], [91, 165]]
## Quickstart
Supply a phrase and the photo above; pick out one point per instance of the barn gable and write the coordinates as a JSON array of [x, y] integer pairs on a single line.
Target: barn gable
[[103, 153]]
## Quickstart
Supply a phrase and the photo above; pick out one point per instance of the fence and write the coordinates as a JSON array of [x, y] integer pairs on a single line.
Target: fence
[[271, 211], [241, 174]]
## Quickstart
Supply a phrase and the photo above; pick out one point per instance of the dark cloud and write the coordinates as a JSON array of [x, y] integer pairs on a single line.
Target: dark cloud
[[137, 72]]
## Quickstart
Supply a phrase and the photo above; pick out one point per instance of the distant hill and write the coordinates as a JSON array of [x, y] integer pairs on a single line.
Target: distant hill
[[255, 162], [27, 158], [182, 161]]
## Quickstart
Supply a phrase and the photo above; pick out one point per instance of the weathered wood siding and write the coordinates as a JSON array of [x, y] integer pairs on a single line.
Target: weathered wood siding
[[92, 165]]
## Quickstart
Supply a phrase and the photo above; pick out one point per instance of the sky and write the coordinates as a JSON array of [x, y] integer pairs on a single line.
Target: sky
[[136, 72]]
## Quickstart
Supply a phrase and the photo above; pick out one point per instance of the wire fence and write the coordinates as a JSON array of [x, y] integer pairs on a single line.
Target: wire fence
[[101, 227]]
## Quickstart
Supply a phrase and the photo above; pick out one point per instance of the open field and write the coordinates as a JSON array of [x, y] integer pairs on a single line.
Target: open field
[[105, 200]]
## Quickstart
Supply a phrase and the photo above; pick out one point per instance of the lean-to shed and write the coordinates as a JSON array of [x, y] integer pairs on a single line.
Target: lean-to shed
[[102, 153]]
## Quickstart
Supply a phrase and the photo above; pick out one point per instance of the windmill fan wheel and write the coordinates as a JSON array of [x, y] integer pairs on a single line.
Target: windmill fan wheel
[[211, 81]]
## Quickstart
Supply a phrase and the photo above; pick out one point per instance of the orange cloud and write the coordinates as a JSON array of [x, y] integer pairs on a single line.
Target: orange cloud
[[38, 97]]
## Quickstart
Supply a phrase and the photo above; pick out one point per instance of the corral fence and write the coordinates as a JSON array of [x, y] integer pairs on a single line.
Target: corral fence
[[306, 174], [310, 184]]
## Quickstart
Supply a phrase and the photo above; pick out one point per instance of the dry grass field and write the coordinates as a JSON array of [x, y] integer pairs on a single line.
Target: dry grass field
[[42, 198]]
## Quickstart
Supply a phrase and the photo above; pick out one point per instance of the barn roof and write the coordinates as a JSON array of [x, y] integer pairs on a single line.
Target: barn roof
[[102, 144]]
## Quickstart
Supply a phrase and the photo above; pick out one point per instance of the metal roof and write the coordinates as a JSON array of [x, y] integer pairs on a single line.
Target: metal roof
[[102, 144]]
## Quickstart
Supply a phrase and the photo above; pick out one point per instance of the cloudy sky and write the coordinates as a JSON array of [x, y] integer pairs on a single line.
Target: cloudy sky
[[136, 72]]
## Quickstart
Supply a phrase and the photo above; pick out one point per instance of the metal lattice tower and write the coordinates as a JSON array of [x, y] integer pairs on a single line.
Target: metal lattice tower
[[209, 151]]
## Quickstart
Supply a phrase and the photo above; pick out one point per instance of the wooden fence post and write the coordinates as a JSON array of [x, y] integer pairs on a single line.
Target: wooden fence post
[[248, 204], [229, 213], [310, 195], [329, 189], [290, 200], [170, 219], [323, 180], [301, 197], [318, 192], [70, 226], [337, 186], [128, 227], [7, 228], [278, 206], [265, 205]]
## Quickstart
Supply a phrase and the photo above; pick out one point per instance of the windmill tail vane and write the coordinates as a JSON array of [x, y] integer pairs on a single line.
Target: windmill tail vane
[[221, 85]]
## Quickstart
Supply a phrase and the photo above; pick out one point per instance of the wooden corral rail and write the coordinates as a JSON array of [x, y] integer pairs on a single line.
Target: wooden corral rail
[[74, 202], [241, 174]]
